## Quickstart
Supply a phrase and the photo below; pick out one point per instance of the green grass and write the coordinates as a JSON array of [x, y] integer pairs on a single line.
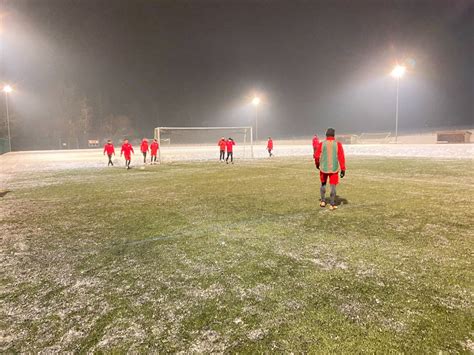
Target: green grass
[[206, 257]]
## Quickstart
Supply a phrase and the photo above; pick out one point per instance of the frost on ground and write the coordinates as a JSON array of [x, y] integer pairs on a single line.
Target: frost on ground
[[94, 158], [187, 258]]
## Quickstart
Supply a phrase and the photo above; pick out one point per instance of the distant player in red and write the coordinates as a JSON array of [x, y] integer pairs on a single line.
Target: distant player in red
[[329, 159], [315, 143], [222, 145], [230, 151], [127, 151], [270, 146], [144, 148], [109, 150], [154, 146]]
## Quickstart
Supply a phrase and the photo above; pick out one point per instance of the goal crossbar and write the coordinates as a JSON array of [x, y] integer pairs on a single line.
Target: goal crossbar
[[203, 128]]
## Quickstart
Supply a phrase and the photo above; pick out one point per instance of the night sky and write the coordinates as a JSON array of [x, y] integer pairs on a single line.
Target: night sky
[[196, 63]]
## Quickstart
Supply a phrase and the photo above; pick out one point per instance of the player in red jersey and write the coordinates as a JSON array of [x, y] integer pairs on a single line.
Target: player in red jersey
[[230, 151], [315, 143], [154, 146], [222, 145], [127, 151], [330, 160], [270, 146], [109, 150], [144, 148]]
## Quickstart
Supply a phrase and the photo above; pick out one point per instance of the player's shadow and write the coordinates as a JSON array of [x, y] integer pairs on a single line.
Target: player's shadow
[[4, 192], [340, 200]]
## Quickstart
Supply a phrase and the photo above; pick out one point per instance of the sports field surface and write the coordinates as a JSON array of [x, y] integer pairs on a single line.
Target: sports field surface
[[208, 257]]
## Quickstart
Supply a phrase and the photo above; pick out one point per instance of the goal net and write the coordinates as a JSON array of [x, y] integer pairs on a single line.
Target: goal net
[[374, 138], [200, 143]]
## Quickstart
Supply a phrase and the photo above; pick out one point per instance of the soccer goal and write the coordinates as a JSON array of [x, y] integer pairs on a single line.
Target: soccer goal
[[374, 138], [200, 143]]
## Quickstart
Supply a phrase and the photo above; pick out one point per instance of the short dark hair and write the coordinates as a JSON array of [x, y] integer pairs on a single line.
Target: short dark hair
[[331, 132]]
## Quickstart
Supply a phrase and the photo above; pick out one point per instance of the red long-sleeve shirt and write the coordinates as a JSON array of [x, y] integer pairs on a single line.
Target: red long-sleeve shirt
[[127, 149], [230, 145], [109, 149], [270, 144], [154, 148], [222, 144], [144, 146]]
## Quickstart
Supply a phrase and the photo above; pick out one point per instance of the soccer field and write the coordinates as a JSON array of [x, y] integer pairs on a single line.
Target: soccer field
[[208, 257]]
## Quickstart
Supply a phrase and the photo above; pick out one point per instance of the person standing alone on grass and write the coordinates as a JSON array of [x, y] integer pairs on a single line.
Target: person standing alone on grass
[[270, 146], [222, 145], [127, 151], [144, 148], [230, 151], [315, 143], [154, 146], [110, 150], [329, 159]]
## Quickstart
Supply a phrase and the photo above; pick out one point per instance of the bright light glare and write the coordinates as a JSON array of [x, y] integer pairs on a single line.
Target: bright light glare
[[398, 71], [256, 100], [8, 89]]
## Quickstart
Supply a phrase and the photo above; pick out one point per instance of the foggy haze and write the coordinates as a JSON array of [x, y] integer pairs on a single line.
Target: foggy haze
[[137, 65]]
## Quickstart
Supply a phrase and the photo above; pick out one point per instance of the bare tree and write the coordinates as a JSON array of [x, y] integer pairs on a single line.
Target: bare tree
[[84, 123]]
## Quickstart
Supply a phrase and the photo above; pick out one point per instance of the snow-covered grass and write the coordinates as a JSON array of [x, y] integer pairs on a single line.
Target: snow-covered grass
[[208, 257], [18, 162]]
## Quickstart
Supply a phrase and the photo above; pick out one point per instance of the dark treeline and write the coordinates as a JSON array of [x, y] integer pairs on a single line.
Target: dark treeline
[[68, 121]]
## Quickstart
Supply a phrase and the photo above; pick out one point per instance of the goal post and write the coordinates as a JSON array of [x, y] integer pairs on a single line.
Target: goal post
[[374, 138], [200, 143]]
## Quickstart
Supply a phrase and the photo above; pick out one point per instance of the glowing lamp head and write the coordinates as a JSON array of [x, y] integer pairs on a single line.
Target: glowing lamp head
[[8, 89], [398, 71], [256, 101]]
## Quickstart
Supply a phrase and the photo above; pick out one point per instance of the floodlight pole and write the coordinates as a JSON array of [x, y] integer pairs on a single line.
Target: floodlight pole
[[396, 110], [8, 122], [397, 73], [251, 142], [256, 123]]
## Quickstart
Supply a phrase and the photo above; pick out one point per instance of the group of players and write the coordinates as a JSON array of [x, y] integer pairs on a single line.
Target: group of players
[[227, 145], [328, 157], [127, 151]]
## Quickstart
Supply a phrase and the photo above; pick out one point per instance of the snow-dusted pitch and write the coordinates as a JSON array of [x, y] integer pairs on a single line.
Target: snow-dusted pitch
[[204, 257], [93, 158]]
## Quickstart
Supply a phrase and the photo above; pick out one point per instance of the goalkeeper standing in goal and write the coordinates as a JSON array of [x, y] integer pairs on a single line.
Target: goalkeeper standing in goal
[[329, 159], [230, 151], [144, 149], [127, 151], [222, 145]]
